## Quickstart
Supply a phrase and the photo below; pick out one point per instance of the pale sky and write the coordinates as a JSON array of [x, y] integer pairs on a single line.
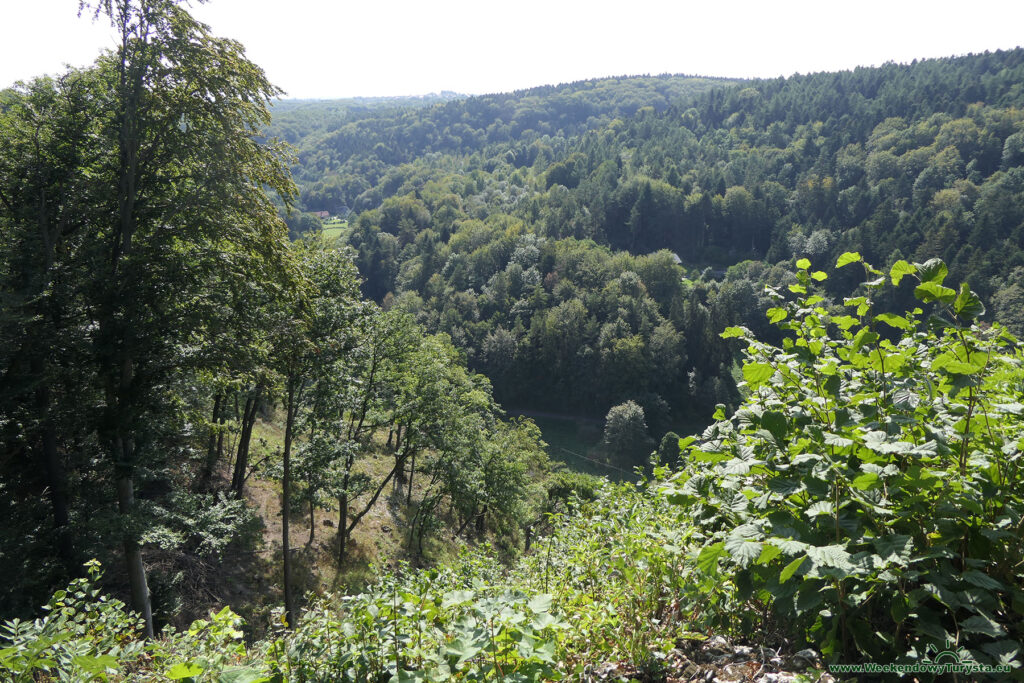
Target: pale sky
[[341, 48]]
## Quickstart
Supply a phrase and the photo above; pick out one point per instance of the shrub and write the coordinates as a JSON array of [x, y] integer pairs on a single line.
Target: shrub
[[867, 496]]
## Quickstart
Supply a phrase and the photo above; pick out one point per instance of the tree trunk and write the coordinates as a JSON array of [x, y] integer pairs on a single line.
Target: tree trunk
[[53, 467], [132, 552], [57, 482], [286, 499], [244, 438], [376, 494], [212, 450], [342, 526], [412, 472], [481, 526], [312, 522]]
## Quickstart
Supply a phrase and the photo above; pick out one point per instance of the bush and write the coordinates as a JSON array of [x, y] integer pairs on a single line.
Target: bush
[[625, 434], [867, 496]]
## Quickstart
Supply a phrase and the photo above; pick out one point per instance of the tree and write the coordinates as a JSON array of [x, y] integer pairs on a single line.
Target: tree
[[625, 433], [312, 337], [48, 130], [185, 209]]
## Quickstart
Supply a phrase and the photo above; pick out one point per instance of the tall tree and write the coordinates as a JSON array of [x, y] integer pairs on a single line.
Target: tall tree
[[47, 148], [187, 210]]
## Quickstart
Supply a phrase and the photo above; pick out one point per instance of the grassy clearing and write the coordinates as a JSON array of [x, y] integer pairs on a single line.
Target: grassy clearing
[[576, 444], [333, 229]]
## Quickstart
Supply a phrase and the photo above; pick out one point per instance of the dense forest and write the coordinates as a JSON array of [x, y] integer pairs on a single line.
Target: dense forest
[[584, 244], [267, 369]]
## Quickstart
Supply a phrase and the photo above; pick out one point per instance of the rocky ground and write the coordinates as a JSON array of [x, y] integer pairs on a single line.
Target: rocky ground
[[717, 660]]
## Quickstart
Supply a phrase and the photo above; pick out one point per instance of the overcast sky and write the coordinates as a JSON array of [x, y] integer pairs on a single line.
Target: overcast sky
[[340, 48]]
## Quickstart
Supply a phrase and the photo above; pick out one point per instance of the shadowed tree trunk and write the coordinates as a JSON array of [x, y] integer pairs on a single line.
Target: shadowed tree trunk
[[212, 444], [292, 409], [244, 439]]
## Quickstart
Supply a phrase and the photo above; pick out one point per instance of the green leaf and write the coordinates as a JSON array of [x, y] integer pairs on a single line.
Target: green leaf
[[894, 548], [768, 553], [743, 550], [95, 665], [707, 560], [1005, 652], [954, 366], [757, 374], [789, 546], [732, 333], [897, 321], [865, 336], [463, 649], [932, 270], [242, 674], [836, 440], [847, 258], [540, 603], [899, 270], [775, 423], [790, 569], [803, 264], [968, 305], [981, 580], [685, 442], [545, 651], [822, 507], [844, 322], [798, 289], [776, 315], [830, 556], [453, 598], [182, 670], [864, 481], [819, 275], [543, 620], [983, 624], [932, 291]]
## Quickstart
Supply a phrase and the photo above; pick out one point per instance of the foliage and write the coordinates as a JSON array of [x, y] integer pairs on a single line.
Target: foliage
[[866, 497], [625, 433], [512, 243], [85, 635]]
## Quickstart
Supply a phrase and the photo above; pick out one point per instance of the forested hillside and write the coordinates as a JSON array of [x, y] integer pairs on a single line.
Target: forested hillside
[[244, 442], [589, 254]]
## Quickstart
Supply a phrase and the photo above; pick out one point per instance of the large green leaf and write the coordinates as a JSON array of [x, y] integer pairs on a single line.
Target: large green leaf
[[830, 556], [540, 603], [864, 481], [757, 374], [968, 304], [899, 270], [242, 674], [984, 624], [707, 560], [791, 568], [931, 291], [894, 548], [897, 321], [847, 258], [932, 270], [182, 670], [95, 665]]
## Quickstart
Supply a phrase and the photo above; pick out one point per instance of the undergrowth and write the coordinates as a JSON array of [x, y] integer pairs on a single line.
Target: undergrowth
[[865, 500]]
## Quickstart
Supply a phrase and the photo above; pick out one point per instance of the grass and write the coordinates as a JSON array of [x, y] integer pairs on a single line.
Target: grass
[[335, 228], [379, 540], [574, 442]]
